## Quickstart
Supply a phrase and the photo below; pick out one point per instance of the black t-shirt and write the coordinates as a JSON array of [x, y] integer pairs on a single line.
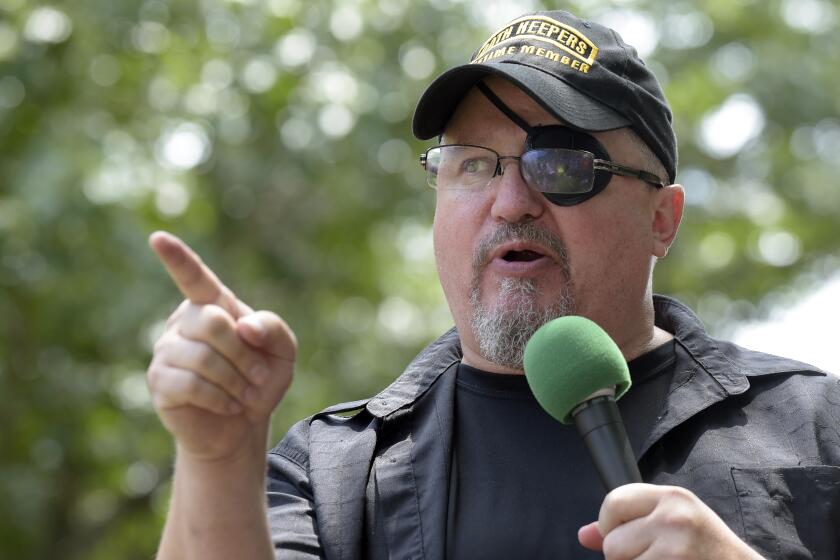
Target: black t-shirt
[[523, 483]]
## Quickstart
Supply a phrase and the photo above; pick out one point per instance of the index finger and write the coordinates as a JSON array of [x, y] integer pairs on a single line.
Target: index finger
[[194, 279]]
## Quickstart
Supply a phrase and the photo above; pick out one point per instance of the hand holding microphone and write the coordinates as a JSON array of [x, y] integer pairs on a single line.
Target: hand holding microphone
[[577, 372]]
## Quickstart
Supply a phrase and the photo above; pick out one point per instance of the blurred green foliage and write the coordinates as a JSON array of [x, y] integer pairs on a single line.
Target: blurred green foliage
[[273, 135]]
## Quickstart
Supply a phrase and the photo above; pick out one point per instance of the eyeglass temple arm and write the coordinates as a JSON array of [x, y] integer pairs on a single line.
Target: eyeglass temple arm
[[618, 169]]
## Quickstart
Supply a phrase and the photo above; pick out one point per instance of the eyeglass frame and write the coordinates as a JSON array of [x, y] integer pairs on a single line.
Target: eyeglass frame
[[597, 165]]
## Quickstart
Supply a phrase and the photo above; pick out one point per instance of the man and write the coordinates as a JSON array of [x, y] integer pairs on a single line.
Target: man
[[555, 196]]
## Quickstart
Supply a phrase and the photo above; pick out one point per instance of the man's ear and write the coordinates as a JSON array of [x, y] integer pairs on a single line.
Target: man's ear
[[667, 211]]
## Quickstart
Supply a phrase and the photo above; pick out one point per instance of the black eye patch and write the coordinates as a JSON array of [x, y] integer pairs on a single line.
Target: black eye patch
[[559, 136]]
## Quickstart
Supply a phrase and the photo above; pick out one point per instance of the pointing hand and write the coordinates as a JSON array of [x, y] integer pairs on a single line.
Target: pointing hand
[[220, 368]]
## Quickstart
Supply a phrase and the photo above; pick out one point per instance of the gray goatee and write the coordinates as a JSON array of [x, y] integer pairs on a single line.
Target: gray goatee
[[503, 331]]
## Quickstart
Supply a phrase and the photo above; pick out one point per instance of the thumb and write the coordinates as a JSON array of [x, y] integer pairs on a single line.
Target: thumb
[[269, 333], [590, 537]]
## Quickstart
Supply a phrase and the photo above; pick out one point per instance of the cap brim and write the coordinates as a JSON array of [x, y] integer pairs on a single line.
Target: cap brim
[[441, 98]]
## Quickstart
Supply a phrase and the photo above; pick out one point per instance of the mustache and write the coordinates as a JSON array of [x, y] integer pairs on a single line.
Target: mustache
[[520, 231]]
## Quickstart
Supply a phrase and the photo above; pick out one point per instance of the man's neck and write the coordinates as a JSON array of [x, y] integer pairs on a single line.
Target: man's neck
[[477, 361], [635, 348], [630, 349]]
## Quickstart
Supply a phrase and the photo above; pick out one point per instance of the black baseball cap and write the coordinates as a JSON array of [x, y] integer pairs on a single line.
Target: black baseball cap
[[581, 72]]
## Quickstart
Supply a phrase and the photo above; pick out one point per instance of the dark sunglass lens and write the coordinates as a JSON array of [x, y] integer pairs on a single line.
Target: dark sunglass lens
[[557, 171]]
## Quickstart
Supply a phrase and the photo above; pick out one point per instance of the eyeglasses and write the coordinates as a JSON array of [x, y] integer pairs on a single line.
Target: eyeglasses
[[565, 177]]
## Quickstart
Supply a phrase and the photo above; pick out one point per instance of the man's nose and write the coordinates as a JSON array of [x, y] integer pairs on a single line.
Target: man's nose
[[514, 201]]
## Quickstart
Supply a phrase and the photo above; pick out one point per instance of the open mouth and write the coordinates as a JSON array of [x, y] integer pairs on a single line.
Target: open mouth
[[521, 256]]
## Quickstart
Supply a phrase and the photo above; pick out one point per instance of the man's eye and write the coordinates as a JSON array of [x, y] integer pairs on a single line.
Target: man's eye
[[475, 165]]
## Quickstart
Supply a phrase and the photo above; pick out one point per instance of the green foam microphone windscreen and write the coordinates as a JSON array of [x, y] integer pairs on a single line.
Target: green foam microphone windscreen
[[570, 358]]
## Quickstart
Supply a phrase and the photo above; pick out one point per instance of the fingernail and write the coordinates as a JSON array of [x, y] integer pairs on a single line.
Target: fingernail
[[234, 408], [259, 373], [251, 395]]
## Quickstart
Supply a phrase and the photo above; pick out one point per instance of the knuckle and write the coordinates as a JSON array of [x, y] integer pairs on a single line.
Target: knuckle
[[162, 344], [613, 548], [178, 313], [275, 323], [153, 378], [677, 520], [677, 493], [216, 320], [163, 385], [167, 347], [159, 345], [611, 501]]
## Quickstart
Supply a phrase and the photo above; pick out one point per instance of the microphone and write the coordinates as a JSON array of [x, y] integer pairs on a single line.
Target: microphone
[[577, 372]]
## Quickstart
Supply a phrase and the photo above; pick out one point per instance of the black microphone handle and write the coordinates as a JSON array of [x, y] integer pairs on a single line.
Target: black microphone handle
[[599, 423]]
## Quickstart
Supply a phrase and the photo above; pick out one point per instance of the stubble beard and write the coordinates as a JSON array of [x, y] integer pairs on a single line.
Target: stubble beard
[[503, 330]]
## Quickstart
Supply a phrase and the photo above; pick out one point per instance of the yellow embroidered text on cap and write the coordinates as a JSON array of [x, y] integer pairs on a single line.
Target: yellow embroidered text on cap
[[544, 29]]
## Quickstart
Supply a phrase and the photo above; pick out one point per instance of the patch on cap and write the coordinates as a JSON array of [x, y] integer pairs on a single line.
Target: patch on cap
[[542, 37]]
